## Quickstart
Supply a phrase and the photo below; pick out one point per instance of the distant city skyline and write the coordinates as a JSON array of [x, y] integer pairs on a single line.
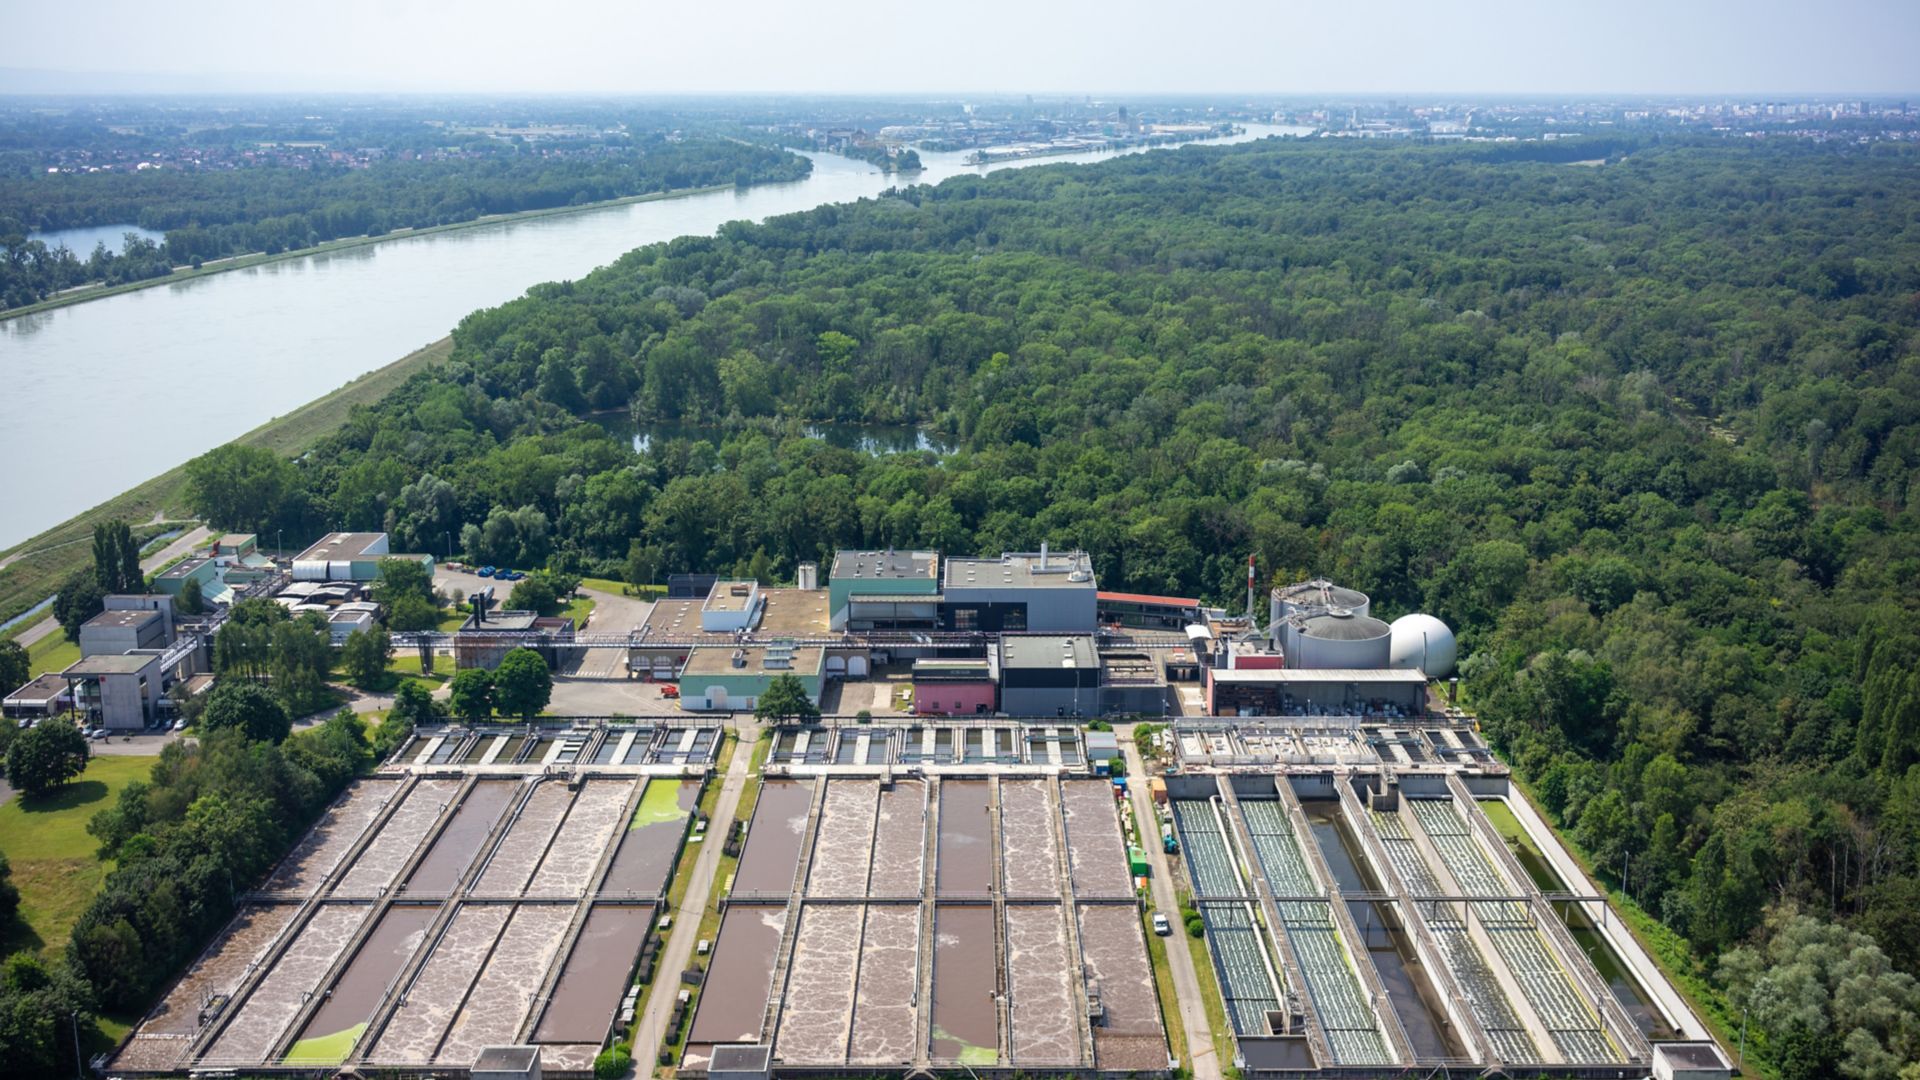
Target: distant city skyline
[[1374, 47]]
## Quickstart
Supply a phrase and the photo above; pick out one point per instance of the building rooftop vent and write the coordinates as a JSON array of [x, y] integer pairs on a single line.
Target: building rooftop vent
[[739, 658]]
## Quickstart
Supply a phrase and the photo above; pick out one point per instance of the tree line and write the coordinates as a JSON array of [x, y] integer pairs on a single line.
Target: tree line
[[214, 214]]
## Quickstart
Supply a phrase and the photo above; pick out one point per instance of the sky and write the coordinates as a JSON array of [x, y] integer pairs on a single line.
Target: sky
[[1464, 47]]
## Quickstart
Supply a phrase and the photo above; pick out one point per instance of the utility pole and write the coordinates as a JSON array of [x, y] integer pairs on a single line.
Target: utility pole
[[1742, 1060]]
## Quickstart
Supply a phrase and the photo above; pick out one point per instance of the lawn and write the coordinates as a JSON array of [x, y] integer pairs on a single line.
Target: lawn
[[52, 653], [53, 858], [578, 609], [621, 588], [1210, 997], [1163, 986]]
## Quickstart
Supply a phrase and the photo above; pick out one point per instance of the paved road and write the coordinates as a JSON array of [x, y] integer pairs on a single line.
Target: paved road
[[686, 919], [1186, 981], [180, 546]]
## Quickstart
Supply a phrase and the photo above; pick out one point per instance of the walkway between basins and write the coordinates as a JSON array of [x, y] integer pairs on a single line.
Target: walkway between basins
[[686, 919], [1186, 981]]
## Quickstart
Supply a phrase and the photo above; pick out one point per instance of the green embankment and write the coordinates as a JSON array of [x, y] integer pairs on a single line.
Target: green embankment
[[34, 568], [52, 653]]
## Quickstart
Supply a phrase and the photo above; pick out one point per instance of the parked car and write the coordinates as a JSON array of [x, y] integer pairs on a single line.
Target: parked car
[[669, 690], [510, 575], [179, 725], [485, 571], [100, 735], [1160, 924]]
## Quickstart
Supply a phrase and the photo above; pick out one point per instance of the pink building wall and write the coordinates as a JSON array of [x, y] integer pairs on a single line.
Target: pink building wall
[[953, 698]]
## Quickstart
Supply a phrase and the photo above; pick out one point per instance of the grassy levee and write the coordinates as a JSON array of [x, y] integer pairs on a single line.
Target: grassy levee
[[240, 262], [35, 567]]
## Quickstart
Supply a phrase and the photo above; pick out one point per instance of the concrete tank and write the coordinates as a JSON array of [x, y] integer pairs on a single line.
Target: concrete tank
[[1336, 638], [1424, 643], [1315, 595]]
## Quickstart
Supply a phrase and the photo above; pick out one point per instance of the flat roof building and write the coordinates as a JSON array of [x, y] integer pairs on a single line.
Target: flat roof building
[[48, 695], [955, 687], [884, 590], [344, 556], [674, 627], [1046, 675], [720, 677], [112, 633], [484, 640], [1021, 592], [119, 691]]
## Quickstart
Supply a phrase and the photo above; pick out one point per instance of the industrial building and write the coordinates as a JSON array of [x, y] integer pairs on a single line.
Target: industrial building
[[203, 570], [1323, 654], [120, 691], [1365, 917], [345, 556], [488, 636], [48, 695], [1043, 675], [884, 590], [674, 627], [1021, 592], [111, 632], [491, 886], [964, 687], [723, 677]]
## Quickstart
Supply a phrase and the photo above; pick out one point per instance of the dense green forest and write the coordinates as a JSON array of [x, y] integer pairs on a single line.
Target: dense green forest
[[213, 214], [1645, 432]]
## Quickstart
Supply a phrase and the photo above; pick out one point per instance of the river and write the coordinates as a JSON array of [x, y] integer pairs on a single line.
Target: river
[[106, 394]]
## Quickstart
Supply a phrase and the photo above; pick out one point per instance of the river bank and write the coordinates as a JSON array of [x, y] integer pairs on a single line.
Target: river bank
[[84, 293], [32, 569]]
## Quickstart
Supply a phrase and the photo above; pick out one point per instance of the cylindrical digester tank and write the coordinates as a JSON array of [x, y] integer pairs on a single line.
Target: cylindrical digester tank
[[1425, 643], [1337, 638], [1315, 595]]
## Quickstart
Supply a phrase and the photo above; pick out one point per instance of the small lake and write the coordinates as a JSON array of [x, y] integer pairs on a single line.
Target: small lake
[[875, 439], [83, 240]]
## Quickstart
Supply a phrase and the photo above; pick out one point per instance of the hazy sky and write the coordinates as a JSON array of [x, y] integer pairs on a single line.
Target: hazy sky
[[836, 46]]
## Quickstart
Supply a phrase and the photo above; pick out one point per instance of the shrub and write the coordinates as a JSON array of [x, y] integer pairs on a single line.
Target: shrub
[[612, 1063]]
